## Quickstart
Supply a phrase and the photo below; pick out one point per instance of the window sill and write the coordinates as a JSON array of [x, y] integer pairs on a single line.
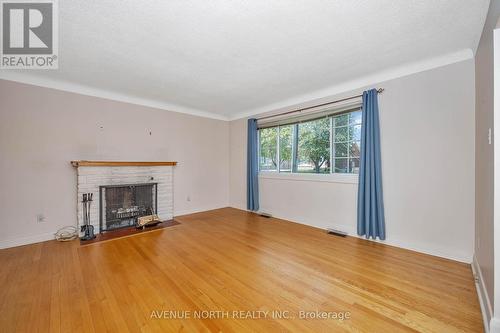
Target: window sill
[[329, 178]]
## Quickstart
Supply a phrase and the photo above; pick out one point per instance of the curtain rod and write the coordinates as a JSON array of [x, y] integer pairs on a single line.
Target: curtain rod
[[379, 90]]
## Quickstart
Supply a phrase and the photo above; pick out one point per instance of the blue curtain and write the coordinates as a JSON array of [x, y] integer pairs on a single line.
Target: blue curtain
[[252, 167], [371, 220]]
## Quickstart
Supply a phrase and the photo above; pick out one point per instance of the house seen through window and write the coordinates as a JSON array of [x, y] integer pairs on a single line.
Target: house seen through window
[[330, 144]]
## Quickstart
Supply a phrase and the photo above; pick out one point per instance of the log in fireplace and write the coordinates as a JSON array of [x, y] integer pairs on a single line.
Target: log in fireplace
[[121, 205]]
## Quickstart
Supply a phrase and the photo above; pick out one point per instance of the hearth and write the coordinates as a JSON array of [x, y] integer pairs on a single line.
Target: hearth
[[121, 205]]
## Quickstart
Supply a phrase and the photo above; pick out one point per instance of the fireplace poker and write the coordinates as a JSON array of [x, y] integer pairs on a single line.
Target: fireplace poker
[[87, 228]]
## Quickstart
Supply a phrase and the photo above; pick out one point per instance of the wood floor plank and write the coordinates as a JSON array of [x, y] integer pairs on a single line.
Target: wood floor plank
[[226, 261]]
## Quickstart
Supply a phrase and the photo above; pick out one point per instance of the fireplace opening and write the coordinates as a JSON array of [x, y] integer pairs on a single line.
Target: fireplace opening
[[121, 205]]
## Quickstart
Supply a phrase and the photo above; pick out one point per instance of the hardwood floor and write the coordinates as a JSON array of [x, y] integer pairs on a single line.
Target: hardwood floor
[[230, 260]]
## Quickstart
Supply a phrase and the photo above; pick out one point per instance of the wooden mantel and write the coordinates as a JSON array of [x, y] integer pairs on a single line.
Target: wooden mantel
[[119, 163]]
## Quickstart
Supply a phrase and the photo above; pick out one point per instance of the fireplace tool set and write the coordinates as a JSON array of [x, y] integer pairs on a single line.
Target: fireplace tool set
[[87, 228]]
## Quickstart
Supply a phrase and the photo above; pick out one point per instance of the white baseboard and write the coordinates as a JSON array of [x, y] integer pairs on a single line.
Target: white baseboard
[[408, 244], [430, 249], [4, 244], [196, 210], [26, 240], [394, 240], [484, 300]]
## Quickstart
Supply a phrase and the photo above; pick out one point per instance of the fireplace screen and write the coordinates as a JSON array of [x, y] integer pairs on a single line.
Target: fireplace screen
[[121, 205]]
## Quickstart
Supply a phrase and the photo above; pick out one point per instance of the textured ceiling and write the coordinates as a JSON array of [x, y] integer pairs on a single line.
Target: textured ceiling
[[230, 57]]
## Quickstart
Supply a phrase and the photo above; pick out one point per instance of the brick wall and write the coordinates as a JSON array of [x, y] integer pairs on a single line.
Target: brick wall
[[90, 178]]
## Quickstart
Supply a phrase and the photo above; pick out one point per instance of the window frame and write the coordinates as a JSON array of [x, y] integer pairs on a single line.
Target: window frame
[[292, 175]]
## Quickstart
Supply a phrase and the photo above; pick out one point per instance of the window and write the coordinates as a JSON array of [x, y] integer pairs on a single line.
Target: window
[[268, 149], [313, 149], [346, 134], [326, 145], [285, 144]]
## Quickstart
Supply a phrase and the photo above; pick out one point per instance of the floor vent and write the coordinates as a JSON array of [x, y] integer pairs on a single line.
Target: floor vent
[[336, 232], [267, 215]]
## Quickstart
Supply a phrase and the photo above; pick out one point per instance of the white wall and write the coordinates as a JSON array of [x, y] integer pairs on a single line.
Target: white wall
[[427, 133], [495, 320], [483, 251], [42, 130]]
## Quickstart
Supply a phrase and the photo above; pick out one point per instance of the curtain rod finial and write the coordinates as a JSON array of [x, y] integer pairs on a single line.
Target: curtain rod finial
[[380, 90]]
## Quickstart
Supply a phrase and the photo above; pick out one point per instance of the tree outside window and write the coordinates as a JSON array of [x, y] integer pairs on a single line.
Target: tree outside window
[[268, 148], [314, 146]]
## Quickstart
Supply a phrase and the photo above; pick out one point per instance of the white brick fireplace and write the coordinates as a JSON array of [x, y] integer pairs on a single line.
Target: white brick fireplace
[[92, 175]]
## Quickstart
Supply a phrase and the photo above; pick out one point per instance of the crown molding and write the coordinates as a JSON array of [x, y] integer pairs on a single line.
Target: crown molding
[[373, 79], [23, 77]]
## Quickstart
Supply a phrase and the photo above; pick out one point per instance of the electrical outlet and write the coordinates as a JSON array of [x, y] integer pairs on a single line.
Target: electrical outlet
[[188, 198], [40, 218]]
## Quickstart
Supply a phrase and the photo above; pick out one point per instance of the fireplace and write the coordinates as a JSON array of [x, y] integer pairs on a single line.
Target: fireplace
[[121, 205], [92, 176]]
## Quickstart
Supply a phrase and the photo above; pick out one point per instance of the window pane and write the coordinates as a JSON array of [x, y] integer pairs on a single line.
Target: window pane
[[355, 118], [314, 146], [347, 142], [355, 148], [355, 132], [267, 140], [354, 165], [341, 149], [286, 148], [340, 134], [341, 120], [341, 165]]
